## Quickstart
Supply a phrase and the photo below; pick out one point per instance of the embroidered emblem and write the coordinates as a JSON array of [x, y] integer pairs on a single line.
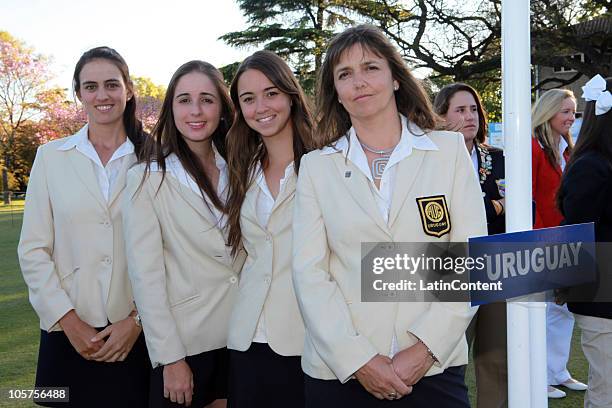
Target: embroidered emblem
[[486, 163], [434, 215]]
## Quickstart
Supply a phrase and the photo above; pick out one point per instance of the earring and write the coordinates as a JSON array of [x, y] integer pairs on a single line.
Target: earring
[[395, 87], [339, 101]]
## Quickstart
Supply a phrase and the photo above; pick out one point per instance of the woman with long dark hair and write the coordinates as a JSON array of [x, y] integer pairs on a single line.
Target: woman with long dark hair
[[71, 249], [184, 277], [383, 175], [271, 133], [585, 196]]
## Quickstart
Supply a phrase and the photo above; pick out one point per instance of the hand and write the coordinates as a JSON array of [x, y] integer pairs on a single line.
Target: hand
[[178, 382], [379, 379], [412, 363], [80, 335], [121, 338]]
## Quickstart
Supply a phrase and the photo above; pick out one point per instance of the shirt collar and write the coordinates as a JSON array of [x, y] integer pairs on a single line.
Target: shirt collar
[[75, 140], [260, 178], [412, 137], [81, 141]]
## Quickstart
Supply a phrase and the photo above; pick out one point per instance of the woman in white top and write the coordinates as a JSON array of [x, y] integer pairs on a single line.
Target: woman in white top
[[265, 145], [383, 176], [71, 249], [183, 276]]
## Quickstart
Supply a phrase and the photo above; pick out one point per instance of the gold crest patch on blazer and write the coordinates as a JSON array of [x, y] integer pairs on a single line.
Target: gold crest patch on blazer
[[434, 215]]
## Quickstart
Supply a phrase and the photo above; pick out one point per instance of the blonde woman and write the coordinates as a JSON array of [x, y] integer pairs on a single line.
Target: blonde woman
[[552, 116]]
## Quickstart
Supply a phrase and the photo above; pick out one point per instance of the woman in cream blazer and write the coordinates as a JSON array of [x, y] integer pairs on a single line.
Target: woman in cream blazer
[[265, 145], [71, 249], [372, 183], [184, 278]]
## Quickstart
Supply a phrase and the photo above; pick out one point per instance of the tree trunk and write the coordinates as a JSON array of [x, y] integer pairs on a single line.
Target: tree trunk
[[5, 187]]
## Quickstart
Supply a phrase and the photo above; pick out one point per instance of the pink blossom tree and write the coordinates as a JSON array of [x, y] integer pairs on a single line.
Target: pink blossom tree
[[23, 77]]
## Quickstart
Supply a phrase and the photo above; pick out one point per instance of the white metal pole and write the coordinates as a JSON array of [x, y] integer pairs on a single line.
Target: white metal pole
[[525, 352]]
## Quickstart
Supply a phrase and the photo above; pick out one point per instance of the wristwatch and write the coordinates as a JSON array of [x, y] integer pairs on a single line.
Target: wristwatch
[[137, 320]]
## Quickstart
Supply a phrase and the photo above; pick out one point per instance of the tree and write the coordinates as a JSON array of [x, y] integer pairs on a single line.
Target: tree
[[23, 77], [297, 30], [150, 97]]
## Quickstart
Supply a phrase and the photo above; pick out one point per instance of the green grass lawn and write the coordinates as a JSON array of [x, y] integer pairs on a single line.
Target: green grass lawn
[[19, 330]]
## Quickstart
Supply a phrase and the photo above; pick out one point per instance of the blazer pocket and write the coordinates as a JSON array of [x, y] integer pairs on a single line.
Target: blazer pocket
[[185, 302], [67, 281]]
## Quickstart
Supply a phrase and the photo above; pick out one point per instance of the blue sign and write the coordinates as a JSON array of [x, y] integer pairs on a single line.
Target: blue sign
[[496, 135], [521, 263]]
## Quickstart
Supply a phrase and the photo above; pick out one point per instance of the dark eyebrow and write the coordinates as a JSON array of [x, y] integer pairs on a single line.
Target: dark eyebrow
[[201, 94], [251, 93]]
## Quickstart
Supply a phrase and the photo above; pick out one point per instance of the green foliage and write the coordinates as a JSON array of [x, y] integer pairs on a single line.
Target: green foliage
[[144, 87], [229, 71], [297, 30]]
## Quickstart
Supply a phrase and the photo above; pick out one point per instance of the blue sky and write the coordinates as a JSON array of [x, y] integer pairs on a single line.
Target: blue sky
[[155, 37]]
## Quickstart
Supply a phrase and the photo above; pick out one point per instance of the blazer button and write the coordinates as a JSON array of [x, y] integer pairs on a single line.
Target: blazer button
[[106, 223], [269, 238], [107, 260], [233, 279]]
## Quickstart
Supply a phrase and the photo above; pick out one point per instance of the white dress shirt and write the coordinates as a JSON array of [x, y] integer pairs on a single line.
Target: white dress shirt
[[412, 137], [106, 175], [562, 146], [263, 209], [474, 157]]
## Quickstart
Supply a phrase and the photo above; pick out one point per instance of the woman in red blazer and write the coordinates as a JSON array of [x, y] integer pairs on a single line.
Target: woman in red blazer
[[552, 117]]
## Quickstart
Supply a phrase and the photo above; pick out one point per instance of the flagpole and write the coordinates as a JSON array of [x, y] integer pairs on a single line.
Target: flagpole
[[525, 320]]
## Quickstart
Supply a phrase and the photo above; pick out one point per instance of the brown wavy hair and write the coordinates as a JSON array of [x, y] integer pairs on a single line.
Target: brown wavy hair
[[333, 120], [166, 138], [442, 101], [245, 147]]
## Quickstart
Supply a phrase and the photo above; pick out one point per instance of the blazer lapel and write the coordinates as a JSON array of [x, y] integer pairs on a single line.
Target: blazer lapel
[[83, 167], [248, 209], [287, 193], [359, 187], [407, 172], [194, 200], [120, 182]]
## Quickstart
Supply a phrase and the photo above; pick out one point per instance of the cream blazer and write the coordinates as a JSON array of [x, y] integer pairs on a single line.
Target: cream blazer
[[266, 285], [335, 211], [184, 280], [71, 249]]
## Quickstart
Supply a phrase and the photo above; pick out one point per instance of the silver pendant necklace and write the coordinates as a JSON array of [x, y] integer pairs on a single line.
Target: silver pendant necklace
[[377, 167]]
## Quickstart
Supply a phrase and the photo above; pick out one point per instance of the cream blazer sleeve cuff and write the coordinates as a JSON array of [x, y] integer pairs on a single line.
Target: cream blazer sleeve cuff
[[324, 309], [35, 249], [146, 268]]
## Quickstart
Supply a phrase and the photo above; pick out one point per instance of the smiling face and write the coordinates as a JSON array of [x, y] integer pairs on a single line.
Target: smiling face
[[196, 107], [564, 119], [364, 83], [103, 92], [462, 115], [264, 107]]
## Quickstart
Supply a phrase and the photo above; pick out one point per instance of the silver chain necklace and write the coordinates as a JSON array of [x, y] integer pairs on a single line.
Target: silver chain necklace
[[377, 167]]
